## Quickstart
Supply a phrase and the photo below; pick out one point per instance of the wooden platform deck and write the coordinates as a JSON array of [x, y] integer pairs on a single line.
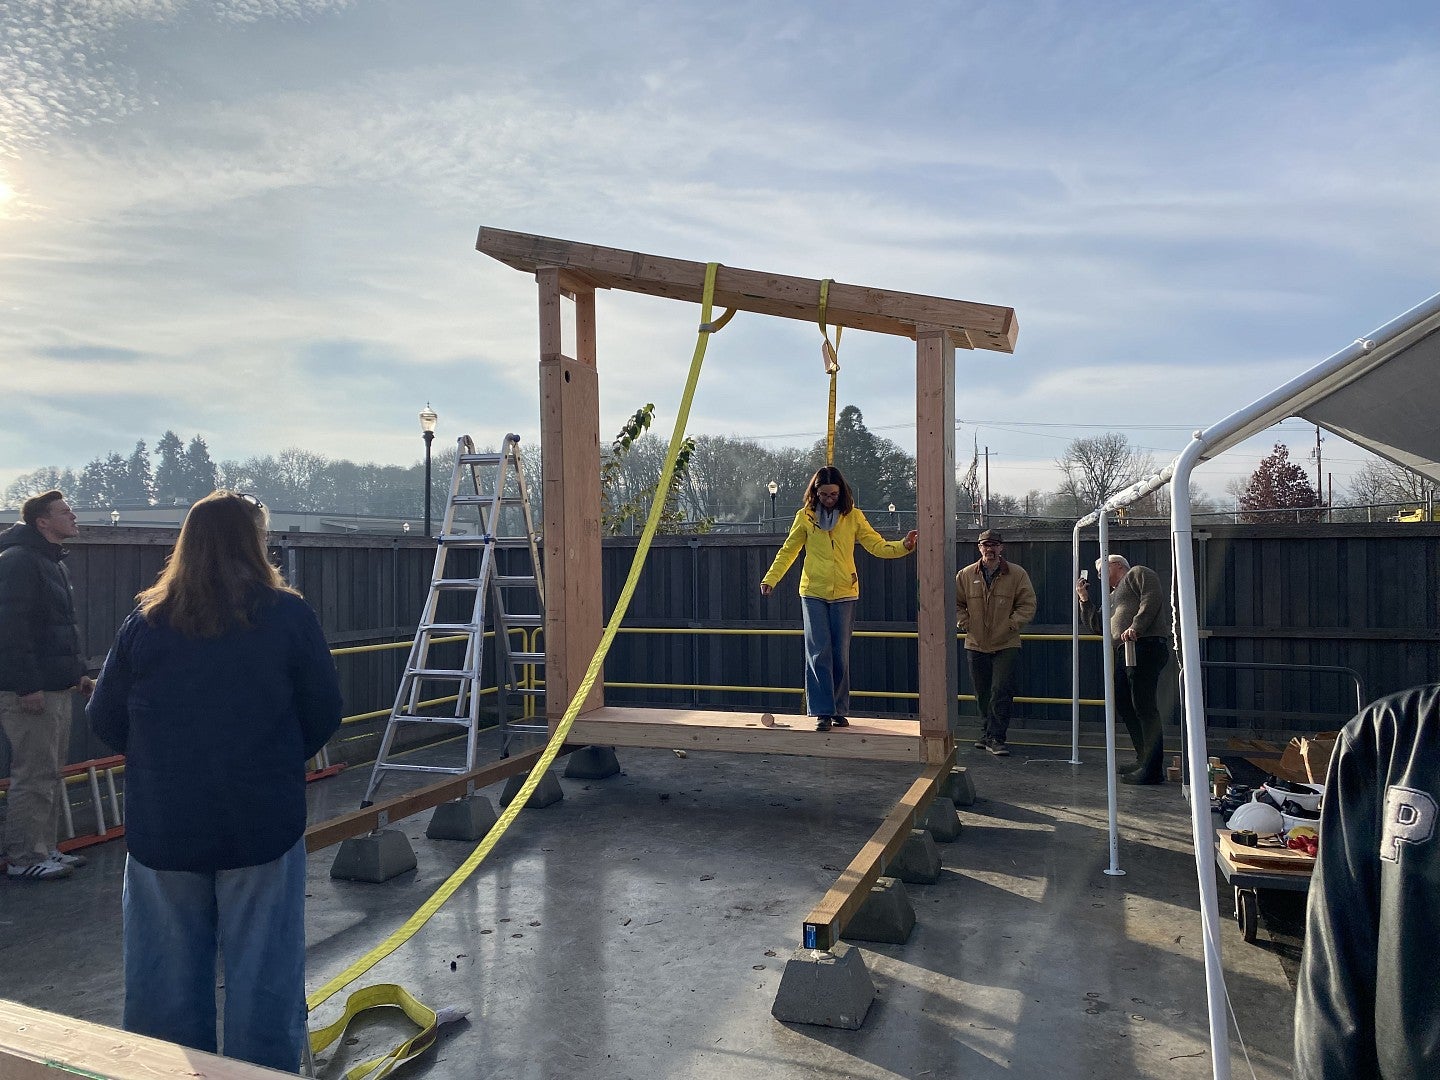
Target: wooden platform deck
[[866, 739]]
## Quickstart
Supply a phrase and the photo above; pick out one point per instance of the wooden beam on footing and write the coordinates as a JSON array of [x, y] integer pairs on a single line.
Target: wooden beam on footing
[[40, 1045], [826, 922], [369, 819]]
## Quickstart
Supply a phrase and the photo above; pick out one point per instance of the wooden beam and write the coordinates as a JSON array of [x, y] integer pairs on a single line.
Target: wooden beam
[[570, 445], [938, 676], [40, 1045], [884, 311], [325, 833], [866, 739], [827, 920]]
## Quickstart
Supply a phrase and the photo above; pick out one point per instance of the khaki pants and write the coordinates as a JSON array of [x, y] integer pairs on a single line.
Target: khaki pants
[[38, 746]]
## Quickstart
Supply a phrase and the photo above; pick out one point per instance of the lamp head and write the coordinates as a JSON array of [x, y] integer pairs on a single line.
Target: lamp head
[[772, 487], [428, 416]]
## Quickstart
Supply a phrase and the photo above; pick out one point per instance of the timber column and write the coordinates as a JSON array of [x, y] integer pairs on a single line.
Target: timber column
[[570, 443], [935, 517]]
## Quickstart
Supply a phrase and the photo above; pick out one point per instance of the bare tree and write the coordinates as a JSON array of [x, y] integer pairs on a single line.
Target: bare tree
[[1379, 482], [1096, 467]]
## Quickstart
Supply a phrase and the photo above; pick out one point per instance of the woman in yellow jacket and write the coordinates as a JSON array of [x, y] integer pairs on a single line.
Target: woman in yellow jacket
[[827, 526]]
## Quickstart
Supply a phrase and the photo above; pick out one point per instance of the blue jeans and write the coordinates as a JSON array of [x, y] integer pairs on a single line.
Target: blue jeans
[[176, 921], [828, 626]]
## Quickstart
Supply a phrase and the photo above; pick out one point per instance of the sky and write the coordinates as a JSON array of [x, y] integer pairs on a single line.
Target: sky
[[255, 220]]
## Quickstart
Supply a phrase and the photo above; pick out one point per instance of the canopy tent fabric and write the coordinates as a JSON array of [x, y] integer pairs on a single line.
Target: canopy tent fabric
[[1382, 392]]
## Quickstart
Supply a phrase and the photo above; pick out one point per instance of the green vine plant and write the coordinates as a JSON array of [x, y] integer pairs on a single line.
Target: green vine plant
[[625, 495]]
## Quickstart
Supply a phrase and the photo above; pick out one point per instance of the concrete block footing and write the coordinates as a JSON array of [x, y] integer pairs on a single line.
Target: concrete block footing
[[886, 915], [941, 821], [469, 818], [592, 763], [830, 989], [958, 787], [375, 857], [918, 862], [546, 793]]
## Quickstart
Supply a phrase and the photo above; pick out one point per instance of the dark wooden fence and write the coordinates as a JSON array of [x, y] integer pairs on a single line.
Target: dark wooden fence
[[1364, 597]]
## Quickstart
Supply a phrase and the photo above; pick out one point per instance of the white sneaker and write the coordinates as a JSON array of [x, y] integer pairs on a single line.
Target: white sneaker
[[66, 859], [40, 871]]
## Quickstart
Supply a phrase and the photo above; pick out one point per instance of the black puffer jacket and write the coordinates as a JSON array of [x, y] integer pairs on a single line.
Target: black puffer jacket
[[39, 643]]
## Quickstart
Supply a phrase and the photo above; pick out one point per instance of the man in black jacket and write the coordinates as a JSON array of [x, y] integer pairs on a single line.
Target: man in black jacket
[[40, 668], [1368, 1000]]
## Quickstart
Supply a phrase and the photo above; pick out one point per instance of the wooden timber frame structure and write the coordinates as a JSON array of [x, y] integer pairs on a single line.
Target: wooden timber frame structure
[[568, 272]]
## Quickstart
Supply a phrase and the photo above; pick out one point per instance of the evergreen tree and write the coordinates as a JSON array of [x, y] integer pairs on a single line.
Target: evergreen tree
[[1279, 484], [171, 488], [138, 486], [200, 475]]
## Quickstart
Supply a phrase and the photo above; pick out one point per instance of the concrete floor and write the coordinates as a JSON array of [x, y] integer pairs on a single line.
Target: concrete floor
[[639, 929]]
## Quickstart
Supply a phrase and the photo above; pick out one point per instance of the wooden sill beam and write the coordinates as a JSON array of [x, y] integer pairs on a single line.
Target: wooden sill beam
[[827, 920], [360, 822], [883, 311]]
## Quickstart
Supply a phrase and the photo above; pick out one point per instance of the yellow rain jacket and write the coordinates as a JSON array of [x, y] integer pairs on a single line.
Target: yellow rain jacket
[[828, 572]]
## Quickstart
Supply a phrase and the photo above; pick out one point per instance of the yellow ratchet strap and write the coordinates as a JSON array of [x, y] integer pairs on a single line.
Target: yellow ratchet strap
[[830, 354], [552, 748]]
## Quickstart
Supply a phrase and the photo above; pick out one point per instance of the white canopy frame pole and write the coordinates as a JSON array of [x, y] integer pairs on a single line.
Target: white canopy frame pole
[[1197, 753], [1075, 653], [1103, 583]]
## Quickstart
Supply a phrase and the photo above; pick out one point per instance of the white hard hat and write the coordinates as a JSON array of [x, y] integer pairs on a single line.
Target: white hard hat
[[1259, 818]]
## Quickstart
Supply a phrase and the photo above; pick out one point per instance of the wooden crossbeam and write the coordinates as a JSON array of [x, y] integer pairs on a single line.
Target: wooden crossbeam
[[827, 920], [884, 311], [369, 819], [40, 1045]]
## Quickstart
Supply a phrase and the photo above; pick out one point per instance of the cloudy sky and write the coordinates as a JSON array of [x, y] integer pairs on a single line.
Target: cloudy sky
[[255, 219]]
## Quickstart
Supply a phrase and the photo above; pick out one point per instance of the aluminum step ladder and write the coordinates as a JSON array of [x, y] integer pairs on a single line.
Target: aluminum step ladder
[[487, 512]]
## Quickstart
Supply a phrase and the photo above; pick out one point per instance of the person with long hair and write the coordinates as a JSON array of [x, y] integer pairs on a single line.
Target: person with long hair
[[218, 688], [827, 527]]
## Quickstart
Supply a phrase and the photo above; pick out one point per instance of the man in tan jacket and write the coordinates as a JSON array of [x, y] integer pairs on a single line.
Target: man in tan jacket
[[994, 601]]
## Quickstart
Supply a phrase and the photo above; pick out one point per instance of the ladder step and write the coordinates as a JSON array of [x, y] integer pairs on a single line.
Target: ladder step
[[465, 540], [458, 674], [518, 621], [480, 459], [411, 718], [448, 628], [456, 583], [487, 500]]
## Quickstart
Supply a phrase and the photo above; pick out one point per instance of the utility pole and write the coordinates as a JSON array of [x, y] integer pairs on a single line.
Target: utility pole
[[1319, 487], [985, 509]]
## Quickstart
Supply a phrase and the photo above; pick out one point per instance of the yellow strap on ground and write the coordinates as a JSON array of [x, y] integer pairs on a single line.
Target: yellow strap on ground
[[377, 996], [562, 730], [830, 354]]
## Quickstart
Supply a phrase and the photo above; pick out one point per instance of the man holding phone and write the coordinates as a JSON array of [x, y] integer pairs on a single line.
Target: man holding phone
[[1140, 629]]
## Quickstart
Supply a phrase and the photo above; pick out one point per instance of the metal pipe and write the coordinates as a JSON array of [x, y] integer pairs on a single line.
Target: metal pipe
[[1075, 652], [1111, 807], [1197, 753]]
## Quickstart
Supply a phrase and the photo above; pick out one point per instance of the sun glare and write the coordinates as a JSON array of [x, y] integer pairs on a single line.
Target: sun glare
[[6, 193]]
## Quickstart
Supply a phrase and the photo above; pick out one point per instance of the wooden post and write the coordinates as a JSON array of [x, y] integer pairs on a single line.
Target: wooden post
[[570, 443], [935, 516]]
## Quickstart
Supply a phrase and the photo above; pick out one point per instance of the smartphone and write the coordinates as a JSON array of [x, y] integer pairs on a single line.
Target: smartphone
[[1084, 575]]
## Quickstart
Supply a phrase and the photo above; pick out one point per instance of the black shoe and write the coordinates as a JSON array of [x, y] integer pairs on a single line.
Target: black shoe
[[1139, 776], [980, 743], [997, 746], [1122, 770], [839, 721], [822, 724]]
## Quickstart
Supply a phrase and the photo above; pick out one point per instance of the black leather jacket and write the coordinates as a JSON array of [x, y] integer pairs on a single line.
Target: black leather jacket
[[1368, 999], [39, 642]]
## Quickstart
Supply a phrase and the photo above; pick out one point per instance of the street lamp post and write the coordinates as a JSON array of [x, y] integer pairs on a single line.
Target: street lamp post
[[114, 518], [894, 521], [427, 429], [773, 488]]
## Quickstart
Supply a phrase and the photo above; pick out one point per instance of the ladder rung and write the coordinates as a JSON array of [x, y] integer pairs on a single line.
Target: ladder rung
[[456, 583], [527, 657], [480, 459], [420, 768], [518, 621], [459, 674], [462, 540], [412, 718], [513, 581], [449, 628]]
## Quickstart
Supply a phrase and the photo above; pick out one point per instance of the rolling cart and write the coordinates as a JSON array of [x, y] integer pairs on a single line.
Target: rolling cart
[[1250, 869]]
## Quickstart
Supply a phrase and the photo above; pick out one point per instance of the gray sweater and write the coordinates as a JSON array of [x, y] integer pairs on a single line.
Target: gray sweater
[[1138, 601]]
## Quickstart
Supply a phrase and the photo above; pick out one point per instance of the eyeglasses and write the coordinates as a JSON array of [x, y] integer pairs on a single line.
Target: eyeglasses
[[824, 494], [245, 496], [989, 543]]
